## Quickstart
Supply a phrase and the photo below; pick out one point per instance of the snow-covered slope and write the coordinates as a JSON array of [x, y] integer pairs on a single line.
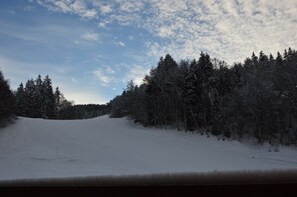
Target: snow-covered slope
[[35, 148]]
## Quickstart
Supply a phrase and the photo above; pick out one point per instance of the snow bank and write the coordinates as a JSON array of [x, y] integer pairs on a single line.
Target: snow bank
[[102, 147]]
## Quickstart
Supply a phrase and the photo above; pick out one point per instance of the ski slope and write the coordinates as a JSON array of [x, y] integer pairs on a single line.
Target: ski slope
[[36, 148]]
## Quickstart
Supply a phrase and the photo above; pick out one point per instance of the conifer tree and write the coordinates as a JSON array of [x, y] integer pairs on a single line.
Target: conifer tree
[[49, 99], [30, 109], [57, 98], [7, 102], [190, 98], [21, 100]]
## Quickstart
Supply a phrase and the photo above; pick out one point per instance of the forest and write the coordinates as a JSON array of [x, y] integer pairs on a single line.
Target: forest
[[38, 100], [257, 98]]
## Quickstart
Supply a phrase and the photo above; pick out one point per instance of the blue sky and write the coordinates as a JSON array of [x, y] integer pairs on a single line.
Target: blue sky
[[91, 49]]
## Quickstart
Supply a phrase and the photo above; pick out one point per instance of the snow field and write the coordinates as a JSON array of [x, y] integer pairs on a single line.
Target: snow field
[[36, 148]]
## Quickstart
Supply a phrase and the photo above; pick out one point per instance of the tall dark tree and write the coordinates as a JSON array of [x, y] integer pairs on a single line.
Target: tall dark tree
[[30, 110], [39, 98], [7, 101], [49, 98], [57, 98], [192, 88], [21, 100]]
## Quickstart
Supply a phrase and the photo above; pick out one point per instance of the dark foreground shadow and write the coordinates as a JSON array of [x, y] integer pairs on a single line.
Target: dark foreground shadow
[[235, 183]]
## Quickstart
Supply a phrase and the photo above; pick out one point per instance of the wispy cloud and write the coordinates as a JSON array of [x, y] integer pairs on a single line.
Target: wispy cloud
[[73, 7], [110, 70], [229, 30], [104, 76], [120, 43], [44, 33], [90, 36]]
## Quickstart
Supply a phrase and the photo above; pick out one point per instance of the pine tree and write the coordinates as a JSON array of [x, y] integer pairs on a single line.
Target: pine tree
[[49, 98], [57, 98], [30, 108], [39, 98], [21, 100], [205, 69], [190, 98], [7, 102]]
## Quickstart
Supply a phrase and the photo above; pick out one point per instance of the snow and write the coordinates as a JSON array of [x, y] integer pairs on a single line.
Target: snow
[[36, 148]]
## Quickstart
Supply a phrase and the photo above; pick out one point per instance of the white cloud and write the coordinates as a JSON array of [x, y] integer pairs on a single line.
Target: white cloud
[[131, 6], [136, 73], [90, 36], [131, 37], [165, 32], [121, 43], [78, 7], [110, 70], [102, 25], [103, 76], [229, 30], [89, 13], [105, 9]]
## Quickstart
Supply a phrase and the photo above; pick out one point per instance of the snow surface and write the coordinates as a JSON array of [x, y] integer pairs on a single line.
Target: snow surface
[[36, 148]]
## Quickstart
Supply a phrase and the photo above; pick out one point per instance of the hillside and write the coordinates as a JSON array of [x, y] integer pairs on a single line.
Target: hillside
[[36, 148]]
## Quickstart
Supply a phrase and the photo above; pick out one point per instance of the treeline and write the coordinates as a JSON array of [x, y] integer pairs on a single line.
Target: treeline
[[84, 111], [256, 98], [37, 100]]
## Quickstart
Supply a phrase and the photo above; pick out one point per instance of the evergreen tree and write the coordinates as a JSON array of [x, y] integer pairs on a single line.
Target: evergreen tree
[[7, 102], [30, 109], [57, 96], [191, 92], [21, 100], [49, 98], [39, 98]]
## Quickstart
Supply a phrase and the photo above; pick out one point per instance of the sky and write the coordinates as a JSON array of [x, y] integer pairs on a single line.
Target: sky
[[92, 48]]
